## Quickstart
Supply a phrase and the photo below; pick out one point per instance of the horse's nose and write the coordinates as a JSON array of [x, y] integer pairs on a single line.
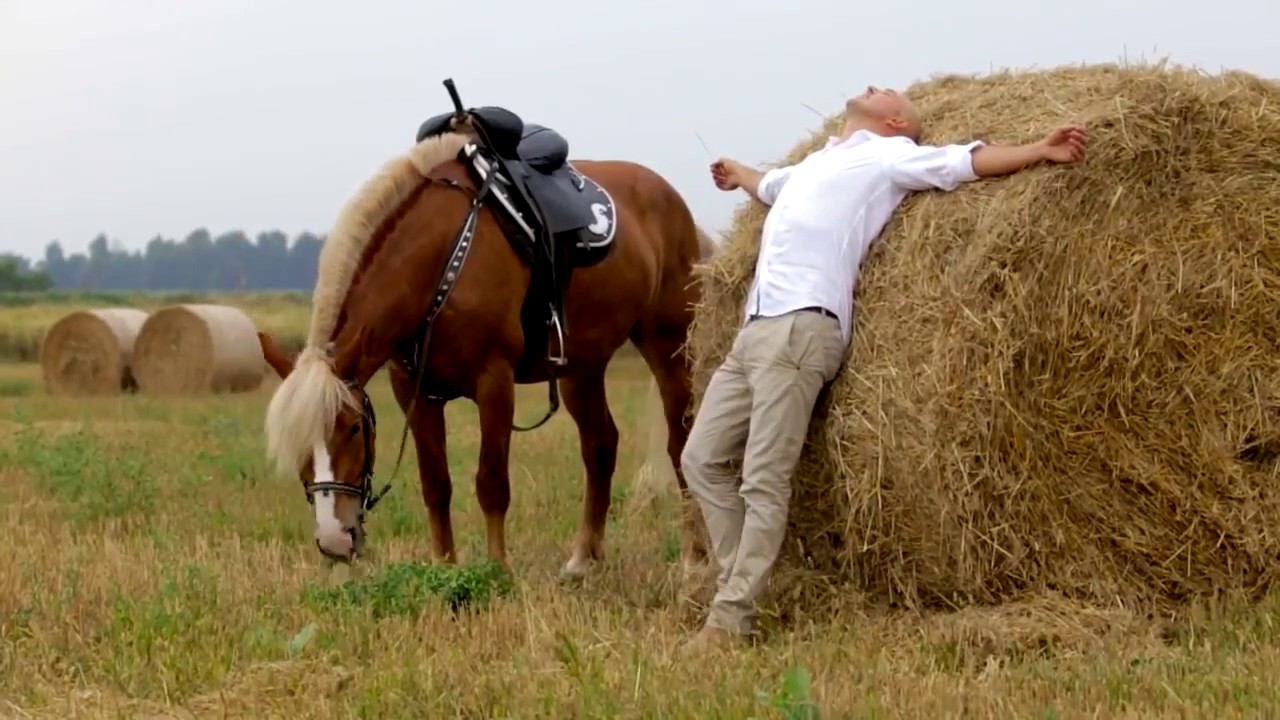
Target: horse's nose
[[336, 545]]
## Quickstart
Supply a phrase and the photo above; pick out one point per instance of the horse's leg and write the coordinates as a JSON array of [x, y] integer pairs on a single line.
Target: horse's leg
[[428, 429], [585, 399], [660, 353], [433, 473], [495, 398]]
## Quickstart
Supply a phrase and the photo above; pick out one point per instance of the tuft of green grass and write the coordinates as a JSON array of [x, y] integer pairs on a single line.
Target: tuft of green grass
[[412, 588], [794, 698]]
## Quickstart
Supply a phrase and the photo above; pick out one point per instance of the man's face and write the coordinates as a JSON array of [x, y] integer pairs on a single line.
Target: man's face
[[887, 110]]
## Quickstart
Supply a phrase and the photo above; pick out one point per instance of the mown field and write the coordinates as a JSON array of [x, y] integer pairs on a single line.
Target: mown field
[[155, 568]]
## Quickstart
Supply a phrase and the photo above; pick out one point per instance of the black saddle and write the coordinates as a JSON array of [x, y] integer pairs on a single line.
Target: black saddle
[[544, 150], [556, 218], [536, 159]]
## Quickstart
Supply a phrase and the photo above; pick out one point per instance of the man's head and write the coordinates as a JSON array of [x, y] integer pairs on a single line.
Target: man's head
[[883, 112]]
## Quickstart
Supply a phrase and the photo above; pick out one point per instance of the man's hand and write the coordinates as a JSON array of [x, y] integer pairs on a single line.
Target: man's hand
[[726, 174], [1065, 144], [730, 175]]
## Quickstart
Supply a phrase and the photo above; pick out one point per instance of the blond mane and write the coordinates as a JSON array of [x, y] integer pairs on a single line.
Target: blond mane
[[306, 405]]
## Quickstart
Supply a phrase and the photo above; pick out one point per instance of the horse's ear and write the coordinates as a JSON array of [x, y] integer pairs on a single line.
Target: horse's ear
[[275, 358]]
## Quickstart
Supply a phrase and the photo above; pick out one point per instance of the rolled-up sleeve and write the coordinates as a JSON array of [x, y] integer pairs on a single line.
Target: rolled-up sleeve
[[924, 167], [771, 184]]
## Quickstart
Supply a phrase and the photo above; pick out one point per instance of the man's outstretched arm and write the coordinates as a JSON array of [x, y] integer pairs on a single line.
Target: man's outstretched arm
[[761, 185], [749, 179], [997, 160], [947, 167], [1065, 144]]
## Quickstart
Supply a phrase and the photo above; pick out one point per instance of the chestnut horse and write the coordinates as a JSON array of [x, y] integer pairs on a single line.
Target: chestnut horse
[[445, 267]]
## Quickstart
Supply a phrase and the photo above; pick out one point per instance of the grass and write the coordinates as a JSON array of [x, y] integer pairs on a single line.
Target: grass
[[154, 568]]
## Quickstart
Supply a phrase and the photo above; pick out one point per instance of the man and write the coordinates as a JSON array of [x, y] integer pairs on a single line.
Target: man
[[825, 211]]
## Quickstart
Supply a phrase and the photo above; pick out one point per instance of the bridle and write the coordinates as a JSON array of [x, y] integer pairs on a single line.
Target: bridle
[[364, 491], [368, 423]]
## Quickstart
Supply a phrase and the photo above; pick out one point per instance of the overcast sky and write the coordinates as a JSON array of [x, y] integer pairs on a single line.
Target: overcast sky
[[140, 118]]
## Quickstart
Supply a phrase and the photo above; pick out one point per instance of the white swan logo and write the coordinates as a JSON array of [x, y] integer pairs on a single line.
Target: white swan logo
[[602, 223]]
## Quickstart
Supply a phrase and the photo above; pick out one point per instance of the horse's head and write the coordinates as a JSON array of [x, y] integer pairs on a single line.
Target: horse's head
[[336, 474]]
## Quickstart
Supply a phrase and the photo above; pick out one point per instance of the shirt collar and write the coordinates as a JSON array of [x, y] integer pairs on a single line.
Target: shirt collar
[[857, 138]]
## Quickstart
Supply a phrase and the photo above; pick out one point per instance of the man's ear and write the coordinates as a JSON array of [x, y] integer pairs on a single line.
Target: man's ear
[[274, 357]]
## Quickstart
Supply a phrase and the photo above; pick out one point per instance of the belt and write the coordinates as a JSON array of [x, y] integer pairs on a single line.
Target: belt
[[812, 308]]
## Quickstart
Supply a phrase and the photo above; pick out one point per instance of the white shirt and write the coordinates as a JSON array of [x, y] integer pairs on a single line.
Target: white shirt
[[828, 208]]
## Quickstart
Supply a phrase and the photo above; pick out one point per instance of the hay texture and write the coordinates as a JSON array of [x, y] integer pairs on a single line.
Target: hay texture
[[88, 352], [196, 349], [1066, 380]]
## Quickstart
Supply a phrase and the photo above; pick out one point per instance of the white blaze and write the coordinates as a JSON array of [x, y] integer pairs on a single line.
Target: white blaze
[[327, 523]]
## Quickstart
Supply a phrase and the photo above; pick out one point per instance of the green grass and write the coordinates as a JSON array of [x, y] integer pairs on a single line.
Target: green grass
[[414, 588], [155, 568]]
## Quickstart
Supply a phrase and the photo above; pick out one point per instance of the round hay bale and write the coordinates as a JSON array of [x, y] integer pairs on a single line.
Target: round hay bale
[[88, 352], [1065, 380], [193, 349]]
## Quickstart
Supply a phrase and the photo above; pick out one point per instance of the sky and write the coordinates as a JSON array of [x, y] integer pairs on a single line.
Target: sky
[[136, 118]]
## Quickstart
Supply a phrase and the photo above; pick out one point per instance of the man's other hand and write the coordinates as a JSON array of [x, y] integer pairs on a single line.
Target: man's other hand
[[1065, 144], [724, 173]]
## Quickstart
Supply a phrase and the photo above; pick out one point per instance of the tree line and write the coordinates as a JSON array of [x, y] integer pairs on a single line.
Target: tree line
[[199, 262]]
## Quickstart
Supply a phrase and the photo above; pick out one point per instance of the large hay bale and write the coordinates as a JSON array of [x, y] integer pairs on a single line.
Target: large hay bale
[[192, 349], [1065, 380], [88, 352]]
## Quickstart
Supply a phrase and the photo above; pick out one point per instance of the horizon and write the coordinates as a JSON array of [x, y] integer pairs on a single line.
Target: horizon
[[138, 120]]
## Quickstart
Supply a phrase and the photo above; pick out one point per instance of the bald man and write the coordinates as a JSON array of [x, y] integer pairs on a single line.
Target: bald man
[[824, 213]]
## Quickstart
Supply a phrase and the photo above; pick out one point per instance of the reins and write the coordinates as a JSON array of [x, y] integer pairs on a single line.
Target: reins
[[461, 247]]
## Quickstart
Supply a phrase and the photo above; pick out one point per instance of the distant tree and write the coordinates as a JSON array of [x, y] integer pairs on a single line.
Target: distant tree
[[200, 262], [16, 275]]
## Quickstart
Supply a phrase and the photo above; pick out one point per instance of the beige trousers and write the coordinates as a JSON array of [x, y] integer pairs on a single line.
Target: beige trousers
[[756, 409]]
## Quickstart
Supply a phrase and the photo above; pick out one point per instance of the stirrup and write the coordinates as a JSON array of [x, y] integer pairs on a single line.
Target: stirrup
[[558, 360]]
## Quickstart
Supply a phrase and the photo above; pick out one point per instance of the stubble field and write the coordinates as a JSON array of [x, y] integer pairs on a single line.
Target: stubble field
[[154, 567]]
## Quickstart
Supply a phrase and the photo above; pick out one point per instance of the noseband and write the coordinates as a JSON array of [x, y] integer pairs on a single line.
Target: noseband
[[368, 499]]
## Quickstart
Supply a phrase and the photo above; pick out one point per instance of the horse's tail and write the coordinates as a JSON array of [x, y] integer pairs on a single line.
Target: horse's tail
[[656, 477], [306, 404], [707, 245]]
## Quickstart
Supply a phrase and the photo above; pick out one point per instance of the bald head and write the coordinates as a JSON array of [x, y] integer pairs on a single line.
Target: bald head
[[883, 112]]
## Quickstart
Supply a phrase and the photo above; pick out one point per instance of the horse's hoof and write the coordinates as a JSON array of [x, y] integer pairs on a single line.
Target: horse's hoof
[[571, 579], [573, 572]]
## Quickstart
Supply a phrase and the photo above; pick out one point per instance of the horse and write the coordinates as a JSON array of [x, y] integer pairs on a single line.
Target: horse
[[456, 266]]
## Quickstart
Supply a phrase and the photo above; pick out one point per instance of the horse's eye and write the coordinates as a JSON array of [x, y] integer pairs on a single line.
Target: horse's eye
[[355, 430]]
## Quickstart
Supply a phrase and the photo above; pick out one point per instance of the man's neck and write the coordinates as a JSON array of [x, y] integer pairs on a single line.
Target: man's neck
[[851, 126]]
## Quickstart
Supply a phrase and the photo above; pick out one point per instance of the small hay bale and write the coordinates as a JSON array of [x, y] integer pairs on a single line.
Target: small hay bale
[[1066, 380], [193, 349], [89, 352]]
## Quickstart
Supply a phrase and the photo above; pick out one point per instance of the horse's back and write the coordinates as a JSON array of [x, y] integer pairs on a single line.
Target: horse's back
[[655, 224], [645, 282]]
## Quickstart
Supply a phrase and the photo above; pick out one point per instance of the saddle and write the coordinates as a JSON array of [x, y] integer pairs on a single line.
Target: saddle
[[556, 218]]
